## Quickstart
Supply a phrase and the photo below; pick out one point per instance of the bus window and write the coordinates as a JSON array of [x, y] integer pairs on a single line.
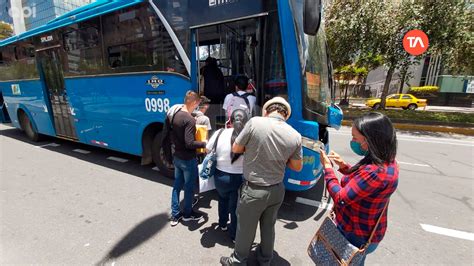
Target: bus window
[[136, 40], [274, 75], [314, 66], [84, 52], [18, 62]]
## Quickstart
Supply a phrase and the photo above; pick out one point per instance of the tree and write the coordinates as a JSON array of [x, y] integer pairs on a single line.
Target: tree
[[376, 27], [6, 30]]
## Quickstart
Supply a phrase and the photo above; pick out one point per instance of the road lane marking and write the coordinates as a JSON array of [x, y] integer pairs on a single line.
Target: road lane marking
[[447, 232], [314, 203], [120, 160], [415, 164], [49, 145], [423, 140], [81, 151], [155, 168]]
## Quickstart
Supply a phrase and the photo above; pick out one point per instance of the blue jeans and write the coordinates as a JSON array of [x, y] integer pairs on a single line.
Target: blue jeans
[[359, 242], [227, 186], [185, 175]]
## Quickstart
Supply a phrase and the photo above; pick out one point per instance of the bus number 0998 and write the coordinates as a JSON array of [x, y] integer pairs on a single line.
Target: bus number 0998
[[157, 105]]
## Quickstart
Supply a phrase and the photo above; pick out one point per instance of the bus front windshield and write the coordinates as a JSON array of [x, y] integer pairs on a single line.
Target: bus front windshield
[[314, 64]]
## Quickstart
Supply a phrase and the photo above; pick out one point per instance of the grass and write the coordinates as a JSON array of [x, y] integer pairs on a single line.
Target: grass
[[415, 116]]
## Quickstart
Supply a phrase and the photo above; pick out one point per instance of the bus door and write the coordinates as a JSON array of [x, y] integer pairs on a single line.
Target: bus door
[[234, 46], [50, 66]]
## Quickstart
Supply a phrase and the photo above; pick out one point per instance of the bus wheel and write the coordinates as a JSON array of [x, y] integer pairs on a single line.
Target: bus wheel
[[26, 125], [166, 168]]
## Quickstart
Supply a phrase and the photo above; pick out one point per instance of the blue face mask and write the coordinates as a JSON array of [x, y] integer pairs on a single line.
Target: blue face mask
[[357, 148]]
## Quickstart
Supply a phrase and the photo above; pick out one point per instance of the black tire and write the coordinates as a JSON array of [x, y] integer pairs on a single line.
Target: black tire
[[166, 168], [376, 106], [412, 106], [404, 108], [26, 126]]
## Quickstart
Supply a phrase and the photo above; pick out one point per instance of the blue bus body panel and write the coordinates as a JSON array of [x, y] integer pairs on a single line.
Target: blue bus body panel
[[111, 111], [308, 177], [30, 97]]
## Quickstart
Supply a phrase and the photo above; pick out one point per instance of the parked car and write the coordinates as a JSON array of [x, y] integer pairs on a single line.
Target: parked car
[[405, 101]]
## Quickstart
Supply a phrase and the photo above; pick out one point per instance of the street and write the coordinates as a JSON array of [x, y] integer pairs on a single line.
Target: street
[[68, 203]]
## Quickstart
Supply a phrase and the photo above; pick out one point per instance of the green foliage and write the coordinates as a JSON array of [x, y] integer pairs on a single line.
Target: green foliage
[[6, 30], [425, 90], [374, 27], [415, 116]]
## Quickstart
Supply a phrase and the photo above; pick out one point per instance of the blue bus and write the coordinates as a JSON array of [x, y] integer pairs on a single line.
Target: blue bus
[[106, 73]]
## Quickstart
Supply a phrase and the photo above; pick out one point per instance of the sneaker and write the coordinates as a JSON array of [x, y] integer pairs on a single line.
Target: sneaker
[[193, 217], [195, 201], [225, 261], [223, 228], [175, 220]]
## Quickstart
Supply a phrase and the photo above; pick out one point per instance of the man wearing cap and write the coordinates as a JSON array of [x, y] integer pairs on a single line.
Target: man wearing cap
[[270, 145]]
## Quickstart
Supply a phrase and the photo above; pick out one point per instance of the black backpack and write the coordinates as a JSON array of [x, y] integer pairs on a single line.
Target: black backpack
[[166, 140]]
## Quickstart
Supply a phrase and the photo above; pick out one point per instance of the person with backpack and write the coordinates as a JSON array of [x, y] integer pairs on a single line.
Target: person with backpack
[[240, 99], [269, 145], [182, 135], [229, 170]]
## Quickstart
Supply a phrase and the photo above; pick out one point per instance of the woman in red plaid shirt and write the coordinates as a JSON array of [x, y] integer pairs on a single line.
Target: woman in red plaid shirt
[[365, 188]]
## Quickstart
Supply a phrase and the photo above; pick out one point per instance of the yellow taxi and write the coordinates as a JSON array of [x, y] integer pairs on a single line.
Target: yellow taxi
[[405, 101]]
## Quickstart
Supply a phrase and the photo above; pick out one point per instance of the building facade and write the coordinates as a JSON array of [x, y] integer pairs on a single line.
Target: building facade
[[5, 6], [46, 10], [29, 14]]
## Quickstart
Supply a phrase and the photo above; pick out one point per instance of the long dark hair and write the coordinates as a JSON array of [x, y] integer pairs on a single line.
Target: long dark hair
[[380, 136], [238, 118]]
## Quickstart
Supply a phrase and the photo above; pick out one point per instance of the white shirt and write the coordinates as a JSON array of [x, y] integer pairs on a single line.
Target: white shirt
[[228, 99], [223, 153]]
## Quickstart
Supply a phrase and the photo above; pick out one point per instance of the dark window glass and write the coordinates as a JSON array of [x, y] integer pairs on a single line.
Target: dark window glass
[[394, 97], [274, 75], [83, 50], [314, 64], [18, 62], [135, 40], [406, 97]]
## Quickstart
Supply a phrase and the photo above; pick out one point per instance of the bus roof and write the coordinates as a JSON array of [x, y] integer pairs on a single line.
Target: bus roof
[[94, 9]]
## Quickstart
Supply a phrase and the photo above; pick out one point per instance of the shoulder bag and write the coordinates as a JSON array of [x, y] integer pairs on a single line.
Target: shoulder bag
[[330, 247], [210, 161]]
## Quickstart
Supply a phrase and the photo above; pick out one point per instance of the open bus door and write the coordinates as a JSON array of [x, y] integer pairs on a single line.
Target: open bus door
[[235, 47], [49, 64]]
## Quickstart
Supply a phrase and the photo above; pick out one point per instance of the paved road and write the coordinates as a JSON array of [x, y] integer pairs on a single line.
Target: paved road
[[68, 203]]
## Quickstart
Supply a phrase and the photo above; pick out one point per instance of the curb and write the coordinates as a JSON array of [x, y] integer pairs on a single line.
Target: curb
[[414, 127]]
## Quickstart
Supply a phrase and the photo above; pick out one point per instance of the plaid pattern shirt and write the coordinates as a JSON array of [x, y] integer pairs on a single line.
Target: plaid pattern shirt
[[361, 197]]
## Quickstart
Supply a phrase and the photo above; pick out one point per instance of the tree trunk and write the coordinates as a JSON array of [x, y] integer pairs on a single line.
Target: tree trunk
[[386, 86], [402, 82]]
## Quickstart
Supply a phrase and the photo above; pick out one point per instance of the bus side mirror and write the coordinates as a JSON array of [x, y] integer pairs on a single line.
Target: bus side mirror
[[312, 16], [335, 116]]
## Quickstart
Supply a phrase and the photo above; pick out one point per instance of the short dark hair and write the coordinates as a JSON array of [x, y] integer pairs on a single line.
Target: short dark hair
[[278, 107], [241, 82], [381, 139], [191, 96]]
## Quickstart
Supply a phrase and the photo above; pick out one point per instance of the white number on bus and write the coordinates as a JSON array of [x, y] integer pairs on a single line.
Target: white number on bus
[[157, 105]]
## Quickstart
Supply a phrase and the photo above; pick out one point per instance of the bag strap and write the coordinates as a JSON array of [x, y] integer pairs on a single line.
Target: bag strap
[[214, 147], [172, 118], [375, 227]]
